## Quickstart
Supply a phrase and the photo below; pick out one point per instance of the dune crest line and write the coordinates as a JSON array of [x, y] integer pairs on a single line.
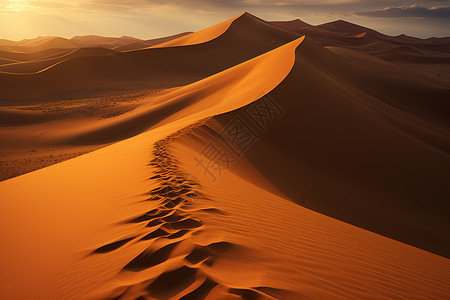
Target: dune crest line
[[170, 240]]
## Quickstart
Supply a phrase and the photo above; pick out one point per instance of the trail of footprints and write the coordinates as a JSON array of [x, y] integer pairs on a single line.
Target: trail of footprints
[[171, 228]]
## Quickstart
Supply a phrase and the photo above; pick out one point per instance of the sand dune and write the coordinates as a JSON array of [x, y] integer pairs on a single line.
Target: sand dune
[[271, 167], [37, 66], [201, 36], [171, 237], [29, 56], [15, 117], [293, 25], [41, 44], [195, 97], [151, 68], [6, 61], [357, 174], [50, 42], [100, 41], [144, 44], [345, 27], [124, 43], [346, 33], [425, 56], [31, 49]]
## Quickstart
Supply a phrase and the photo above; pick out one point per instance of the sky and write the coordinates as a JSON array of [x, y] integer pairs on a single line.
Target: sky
[[148, 19]]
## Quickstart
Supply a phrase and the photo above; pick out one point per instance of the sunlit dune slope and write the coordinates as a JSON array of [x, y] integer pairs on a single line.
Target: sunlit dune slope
[[139, 218], [362, 141], [43, 264], [246, 38], [204, 96], [201, 36]]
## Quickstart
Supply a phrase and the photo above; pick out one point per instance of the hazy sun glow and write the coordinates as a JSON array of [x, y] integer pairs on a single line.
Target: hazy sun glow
[[18, 5]]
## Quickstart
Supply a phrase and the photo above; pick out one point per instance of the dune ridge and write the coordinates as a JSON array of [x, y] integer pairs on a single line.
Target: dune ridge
[[149, 68], [201, 36], [199, 97], [172, 225], [425, 56]]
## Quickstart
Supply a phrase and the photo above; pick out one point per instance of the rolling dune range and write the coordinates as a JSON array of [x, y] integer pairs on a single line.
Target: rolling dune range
[[249, 160]]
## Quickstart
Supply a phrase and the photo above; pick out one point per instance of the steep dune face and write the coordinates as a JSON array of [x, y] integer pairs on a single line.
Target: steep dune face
[[354, 153], [246, 38]]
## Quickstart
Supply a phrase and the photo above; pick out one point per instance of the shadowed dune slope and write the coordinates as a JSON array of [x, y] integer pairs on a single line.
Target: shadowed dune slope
[[345, 27], [29, 56], [40, 44], [293, 25], [40, 65], [4, 61], [101, 41], [400, 48], [17, 117], [144, 44], [361, 141], [124, 43], [246, 38]]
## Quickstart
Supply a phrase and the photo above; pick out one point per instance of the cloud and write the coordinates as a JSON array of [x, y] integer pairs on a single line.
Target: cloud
[[49, 4], [413, 11]]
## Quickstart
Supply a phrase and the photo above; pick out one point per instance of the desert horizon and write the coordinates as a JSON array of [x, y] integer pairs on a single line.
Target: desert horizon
[[252, 159]]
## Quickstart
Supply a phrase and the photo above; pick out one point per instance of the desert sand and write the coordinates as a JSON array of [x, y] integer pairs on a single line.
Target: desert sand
[[249, 160]]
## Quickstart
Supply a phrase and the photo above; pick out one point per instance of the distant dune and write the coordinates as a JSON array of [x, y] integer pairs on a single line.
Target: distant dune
[[249, 160], [159, 67], [36, 66]]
